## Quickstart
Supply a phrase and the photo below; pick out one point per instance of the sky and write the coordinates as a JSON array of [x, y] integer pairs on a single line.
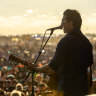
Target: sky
[[35, 16]]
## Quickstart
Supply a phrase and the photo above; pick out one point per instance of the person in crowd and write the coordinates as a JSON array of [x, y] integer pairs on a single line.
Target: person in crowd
[[15, 93], [2, 92], [19, 87], [39, 78], [43, 87], [2, 84], [14, 83], [8, 85]]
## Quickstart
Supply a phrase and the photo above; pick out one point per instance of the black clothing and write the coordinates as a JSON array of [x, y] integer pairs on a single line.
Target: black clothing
[[72, 57]]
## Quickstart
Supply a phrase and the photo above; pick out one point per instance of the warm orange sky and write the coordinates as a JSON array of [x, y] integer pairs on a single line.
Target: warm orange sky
[[35, 16]]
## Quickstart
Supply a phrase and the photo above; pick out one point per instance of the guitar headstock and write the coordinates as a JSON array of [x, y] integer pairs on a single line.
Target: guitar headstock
[[14, 58], [30, 66]]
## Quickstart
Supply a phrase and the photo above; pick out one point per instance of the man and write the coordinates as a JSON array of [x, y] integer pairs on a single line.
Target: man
[[72, 57]]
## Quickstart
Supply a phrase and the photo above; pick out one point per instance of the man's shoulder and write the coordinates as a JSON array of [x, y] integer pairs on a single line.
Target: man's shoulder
[[68, 39], [65, 41]]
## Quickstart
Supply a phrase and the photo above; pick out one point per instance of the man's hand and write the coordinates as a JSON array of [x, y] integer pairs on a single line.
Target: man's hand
[[31, 67], [45, 69]]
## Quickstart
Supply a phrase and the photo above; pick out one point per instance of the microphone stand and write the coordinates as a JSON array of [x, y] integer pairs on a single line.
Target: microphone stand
[[37, 60]]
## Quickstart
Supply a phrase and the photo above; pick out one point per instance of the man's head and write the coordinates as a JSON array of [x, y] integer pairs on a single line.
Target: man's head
[[71, 20]]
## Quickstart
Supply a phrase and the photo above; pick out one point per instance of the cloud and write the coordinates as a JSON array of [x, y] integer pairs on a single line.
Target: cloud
[[50, 13], [26, 15], [16, 17], [45, 16], [61, 13], [29, 11], [42, 15], [27, 22], [53, 17], [36, 10], [2, 19], [11, 21], [91, 20], [23, 21], [93, 14], [42, 23]]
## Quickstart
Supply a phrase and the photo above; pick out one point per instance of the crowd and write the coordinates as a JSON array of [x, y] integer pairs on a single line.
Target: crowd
[[12, 75], [11, 84]]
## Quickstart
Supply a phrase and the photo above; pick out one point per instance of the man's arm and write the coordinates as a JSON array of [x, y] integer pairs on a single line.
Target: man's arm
[[45, 69]]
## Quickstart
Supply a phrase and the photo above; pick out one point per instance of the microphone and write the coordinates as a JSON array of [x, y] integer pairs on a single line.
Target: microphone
[[55, 28]]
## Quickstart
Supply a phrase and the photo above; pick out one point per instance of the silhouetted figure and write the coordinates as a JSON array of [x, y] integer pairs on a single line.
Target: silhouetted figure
[[72, 57]]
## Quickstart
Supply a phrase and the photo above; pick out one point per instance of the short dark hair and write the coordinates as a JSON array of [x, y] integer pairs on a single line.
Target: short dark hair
[[73, 15]]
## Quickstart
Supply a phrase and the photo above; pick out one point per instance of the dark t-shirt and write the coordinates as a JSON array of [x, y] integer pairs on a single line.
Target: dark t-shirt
[[72, 57]]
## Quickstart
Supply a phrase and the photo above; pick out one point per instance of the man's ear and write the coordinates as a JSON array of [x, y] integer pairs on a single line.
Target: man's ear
[[71, 24]]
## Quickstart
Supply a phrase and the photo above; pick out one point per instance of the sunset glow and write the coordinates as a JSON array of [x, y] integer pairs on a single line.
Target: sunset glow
[[35, 16]]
